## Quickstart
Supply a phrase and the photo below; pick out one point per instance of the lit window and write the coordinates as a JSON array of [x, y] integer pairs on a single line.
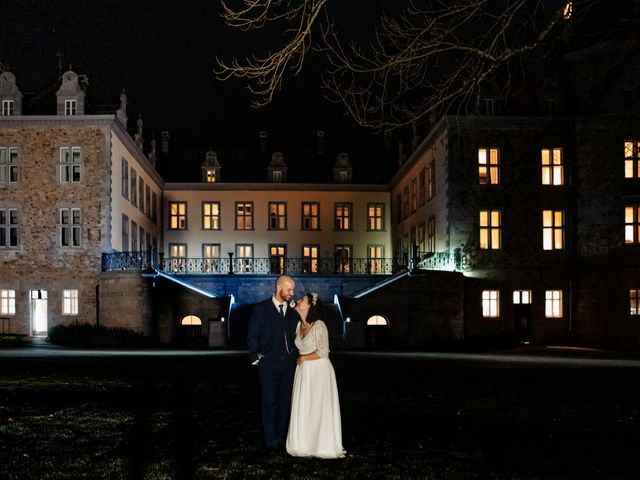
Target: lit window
[[414, 195], [488, 166], [553, 303], [244, 215], [521, 297], [342, 216], [211, 215], [8, 227], [376, 258], [491, 303], [178, 256], [211, 176], [431, 180], [7, 108], [632, 224], [8, 164], [310, 258], [7, 302], [277, 216], [69, 164], [69, 302], [552, 166], [377, 320], [277, 258], [375, 216], [490, 230], [211, 255], [69, 227], [552, 229], [191, 320], [310, 216], [70, 107], [178, 215], [632, 159], [244, 256], [634, 305]]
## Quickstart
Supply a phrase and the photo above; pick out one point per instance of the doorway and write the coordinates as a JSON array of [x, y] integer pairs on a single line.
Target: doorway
[[522, 316], [376, 333], [39, 320]]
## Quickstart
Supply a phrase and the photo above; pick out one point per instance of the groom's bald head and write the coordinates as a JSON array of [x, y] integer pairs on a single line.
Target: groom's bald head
[[285, 286]]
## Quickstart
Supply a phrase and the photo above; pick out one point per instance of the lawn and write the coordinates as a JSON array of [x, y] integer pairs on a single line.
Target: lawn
[[197, 417]]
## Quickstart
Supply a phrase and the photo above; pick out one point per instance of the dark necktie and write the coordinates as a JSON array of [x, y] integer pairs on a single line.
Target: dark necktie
[[281, 306]]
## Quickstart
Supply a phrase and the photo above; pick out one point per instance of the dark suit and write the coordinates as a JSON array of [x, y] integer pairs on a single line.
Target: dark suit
[[272, 336]]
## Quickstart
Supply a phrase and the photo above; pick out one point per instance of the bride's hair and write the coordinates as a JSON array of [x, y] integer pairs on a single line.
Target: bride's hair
[[315, 309]]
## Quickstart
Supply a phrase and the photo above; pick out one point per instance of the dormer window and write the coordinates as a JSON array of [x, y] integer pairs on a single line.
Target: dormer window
[[487, 106], [276, 176], [7, 108], [70, 107], [211, 176]]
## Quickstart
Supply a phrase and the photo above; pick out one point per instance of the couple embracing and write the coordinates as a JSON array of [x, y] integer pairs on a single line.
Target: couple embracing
[[289, 343]]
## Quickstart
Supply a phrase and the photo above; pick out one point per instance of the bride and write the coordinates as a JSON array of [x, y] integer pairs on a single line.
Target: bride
[[314, 429]]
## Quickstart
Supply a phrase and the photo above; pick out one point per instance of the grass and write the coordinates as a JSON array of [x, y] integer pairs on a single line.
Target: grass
[[177, 417]]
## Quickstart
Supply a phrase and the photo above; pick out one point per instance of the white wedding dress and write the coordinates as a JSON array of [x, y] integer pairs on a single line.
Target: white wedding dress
[[315, 429]]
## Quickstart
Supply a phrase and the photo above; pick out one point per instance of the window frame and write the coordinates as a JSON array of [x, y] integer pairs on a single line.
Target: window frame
[[9, 165], [553, 304], [376, 222], [280, 217], [7, 301], [491, 303], [244, 215], [488, 169], [490, 229], [70, 164], [72, 227], [552, 233], [214, 219], [70, 302], [177, 215], [313, 261], [9, 224], [339, 220], [550, 170], [310, 216]]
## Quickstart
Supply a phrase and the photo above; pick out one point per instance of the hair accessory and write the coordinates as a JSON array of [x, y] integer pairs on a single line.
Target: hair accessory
[[314, 298], [292, 304]]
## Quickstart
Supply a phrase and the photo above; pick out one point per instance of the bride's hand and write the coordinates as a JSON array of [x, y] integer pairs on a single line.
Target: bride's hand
[[300, 359]]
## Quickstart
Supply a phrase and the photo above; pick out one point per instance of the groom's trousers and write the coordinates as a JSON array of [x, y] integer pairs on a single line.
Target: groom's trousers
[[276, 383]]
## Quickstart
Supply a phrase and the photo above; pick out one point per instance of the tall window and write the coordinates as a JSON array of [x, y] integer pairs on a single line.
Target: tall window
[[277, 258], [414, 195], [342, 254], [490, 227], [552, 166], [277, 216], [141, 237], [125, 233], [70, 107], [8, 227], [634, 302], [375, 216], [375, 258], [8, 164], [125, 178], [141, 205], [69, 164], [552, 229], [244, 254], [632, 224], [7, 302], [244, 215], [147, 201], [398, 208], [69, 227], [632, 159], [7, 108], [431, 180], [310, 216], [178, 252], [405, 202], [69, 302], [310, 258], [154, 207], [211, 256], [211, 215], [422, 238], [491, 303], [134, 188], [342, 214], [431, 235], [178, 215], [134, 235], [553, 303], [422, 189], [489, 166]]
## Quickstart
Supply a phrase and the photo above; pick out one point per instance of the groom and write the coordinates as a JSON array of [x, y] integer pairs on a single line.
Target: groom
[[271, 337]]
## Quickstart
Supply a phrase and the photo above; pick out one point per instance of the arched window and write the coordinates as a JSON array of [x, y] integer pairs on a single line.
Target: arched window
[[191, 320], [377, 320]]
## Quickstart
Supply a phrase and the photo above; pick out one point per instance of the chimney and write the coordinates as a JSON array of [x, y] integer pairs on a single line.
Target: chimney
[[263, 141], [165, 142], [320, 137]]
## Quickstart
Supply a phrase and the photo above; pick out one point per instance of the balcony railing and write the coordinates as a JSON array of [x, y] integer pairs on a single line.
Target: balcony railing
[[273, 265]]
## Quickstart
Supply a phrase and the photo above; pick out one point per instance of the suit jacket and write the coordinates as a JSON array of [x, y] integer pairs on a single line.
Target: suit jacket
[[266, 328]]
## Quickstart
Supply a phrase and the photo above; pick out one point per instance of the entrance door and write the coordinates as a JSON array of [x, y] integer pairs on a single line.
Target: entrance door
[[376, 333], [277, 256], [39, 323], [522, 316]]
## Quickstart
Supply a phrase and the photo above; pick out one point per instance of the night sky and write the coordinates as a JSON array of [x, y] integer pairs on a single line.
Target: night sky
[[163, 54]]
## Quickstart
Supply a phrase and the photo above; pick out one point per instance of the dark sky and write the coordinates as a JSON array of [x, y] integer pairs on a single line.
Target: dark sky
[[163, 54]]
